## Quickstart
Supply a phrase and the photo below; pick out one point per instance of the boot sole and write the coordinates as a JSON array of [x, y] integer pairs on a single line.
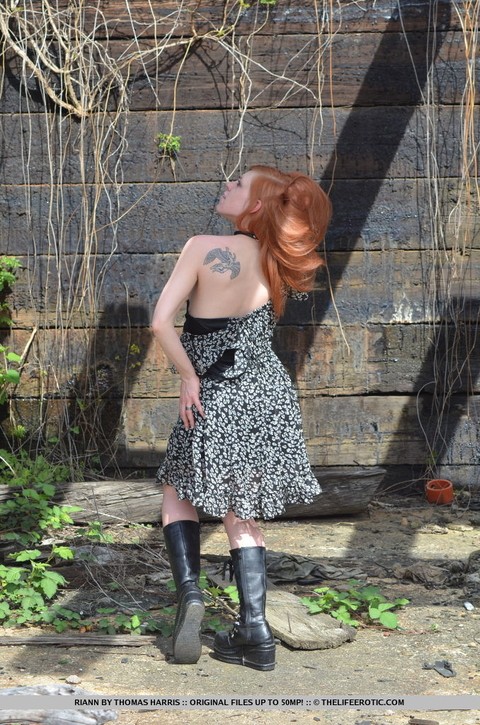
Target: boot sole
[[187, 646], [257, 658]]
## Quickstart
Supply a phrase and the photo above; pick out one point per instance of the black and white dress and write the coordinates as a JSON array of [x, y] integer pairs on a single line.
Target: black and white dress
[[248, 454]]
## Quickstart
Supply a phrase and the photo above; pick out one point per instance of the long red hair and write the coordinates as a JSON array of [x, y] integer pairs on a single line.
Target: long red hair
[[290, 225]]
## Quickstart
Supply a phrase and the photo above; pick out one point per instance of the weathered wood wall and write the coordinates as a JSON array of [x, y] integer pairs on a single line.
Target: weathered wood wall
[[373, 362]]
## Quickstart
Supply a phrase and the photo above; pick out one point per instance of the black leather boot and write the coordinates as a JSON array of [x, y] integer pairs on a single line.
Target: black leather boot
[[250, 642], [182, 539]]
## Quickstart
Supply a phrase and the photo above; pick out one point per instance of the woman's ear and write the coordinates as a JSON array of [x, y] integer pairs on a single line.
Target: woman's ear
[[256, 207]]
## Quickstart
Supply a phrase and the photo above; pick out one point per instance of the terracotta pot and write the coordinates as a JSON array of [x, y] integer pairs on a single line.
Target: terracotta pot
[[439, 491]]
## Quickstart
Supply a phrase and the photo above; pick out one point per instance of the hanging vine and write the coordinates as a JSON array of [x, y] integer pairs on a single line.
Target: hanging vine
[[454, 230]]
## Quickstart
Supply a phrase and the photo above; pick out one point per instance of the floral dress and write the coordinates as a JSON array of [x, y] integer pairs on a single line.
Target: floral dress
[[248, 454]]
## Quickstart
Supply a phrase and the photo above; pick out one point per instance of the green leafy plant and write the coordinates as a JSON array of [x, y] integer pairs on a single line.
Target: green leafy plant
[[7, 274], [168, 144], [355, 604], [8, 265], [111, 622], [29, 511], [62, 619], [25, 590], [95, 532], [215, 597], [8, 375], [28, 586], [232, 593], [19, 431]]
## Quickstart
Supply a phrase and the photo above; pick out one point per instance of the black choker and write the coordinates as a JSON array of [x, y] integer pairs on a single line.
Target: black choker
[[247, 234]]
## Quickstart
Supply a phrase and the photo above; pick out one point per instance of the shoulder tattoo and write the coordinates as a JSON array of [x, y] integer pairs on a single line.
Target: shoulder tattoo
[[227, 261]]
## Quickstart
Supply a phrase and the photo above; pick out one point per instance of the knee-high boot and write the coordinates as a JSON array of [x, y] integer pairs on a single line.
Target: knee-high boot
[[251, 641], [182, 540]]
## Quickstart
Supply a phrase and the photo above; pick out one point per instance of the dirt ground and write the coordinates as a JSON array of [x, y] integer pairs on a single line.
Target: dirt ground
[[431, 555]]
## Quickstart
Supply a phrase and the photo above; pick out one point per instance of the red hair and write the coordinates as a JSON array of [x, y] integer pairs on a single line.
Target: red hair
[[290, 224]]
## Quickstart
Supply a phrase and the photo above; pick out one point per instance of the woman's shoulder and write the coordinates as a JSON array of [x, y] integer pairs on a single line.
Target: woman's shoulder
[[201, 244], [206, 240]]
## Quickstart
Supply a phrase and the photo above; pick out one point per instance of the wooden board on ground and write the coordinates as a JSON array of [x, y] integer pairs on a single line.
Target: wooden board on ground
[[290, 621], [75, 640]]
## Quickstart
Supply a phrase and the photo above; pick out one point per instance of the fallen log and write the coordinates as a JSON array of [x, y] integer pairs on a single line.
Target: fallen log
[[345, 490]]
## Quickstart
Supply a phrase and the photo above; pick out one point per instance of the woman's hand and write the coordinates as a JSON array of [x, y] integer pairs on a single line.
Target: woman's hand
[[189, 399]]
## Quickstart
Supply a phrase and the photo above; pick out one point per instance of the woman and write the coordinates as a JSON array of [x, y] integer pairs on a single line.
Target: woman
[[237, 450]]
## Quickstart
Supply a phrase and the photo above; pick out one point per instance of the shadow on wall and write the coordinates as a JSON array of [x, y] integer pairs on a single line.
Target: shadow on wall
[[415, 57], [446, 382], [94, 411]]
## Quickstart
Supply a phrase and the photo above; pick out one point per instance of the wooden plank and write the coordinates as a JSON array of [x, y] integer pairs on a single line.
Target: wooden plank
[[370, 287], [282, 64], [398, 358], [345, 430], [113, 361], [278, 137], [79, 640], [366, 431], [288, 16], [151, 218], [290, 621], [208, 77], [346, 490], [159, 218]]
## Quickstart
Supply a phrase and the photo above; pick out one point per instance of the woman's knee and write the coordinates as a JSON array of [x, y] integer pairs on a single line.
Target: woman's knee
[[242, 532]]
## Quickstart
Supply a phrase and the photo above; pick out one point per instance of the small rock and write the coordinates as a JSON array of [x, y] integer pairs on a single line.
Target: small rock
[[460, 527], [435, 529], [73, 680], [468, 606], [97, 555]]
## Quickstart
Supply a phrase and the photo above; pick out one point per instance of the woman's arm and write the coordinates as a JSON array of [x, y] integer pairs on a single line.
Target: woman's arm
[[176, 291]]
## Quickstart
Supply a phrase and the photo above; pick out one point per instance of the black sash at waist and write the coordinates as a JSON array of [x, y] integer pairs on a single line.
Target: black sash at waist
[[203, 326]]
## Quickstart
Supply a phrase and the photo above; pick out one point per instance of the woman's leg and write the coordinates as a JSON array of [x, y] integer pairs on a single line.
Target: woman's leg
[[181, 532], [242, 532], [251, 642], [175, 510]]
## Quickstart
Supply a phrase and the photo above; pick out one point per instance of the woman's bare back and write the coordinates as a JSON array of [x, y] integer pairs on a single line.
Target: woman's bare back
[[230, 280]]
